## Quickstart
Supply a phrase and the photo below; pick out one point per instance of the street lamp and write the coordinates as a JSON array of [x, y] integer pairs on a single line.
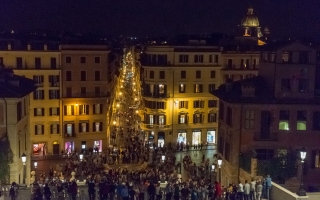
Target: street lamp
[[303, 154], [24, 159], [220, 171], [35, 165], [81, 157], [212, 172]]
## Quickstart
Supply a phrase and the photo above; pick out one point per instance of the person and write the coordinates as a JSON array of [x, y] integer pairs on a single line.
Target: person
[[259, 190], [185, 193], [125, 193], [194, 194], [47, 192], [158, 192], [246, 190], [60, 191], [37, 193], [253, 189], [151, 191], [240, 191], [176, 194], [218, 190], [268, 185], [229, 192], [13, 191], [169, 191], [91, 190], [74, 190]]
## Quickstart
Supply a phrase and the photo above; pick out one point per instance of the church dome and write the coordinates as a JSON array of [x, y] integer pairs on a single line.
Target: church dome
[[250, 20]]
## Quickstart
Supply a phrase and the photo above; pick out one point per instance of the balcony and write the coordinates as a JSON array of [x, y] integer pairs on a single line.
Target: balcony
[[87, 95], [154, 126], [258, 136], [233, 67], [72, 135]]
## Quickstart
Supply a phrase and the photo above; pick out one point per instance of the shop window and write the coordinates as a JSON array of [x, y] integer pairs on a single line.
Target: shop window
[[284, 119], [183, 104], [211, 136], [301, 120], [182, 138], [69, 110], [83, 145], [182, 88], [249, 119], [212, 103], [83, 109], [196, 137]]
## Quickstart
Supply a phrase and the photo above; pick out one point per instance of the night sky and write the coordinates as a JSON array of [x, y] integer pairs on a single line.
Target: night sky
[[285, 18]]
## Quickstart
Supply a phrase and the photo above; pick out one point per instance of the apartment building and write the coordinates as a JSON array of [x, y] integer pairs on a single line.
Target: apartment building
[[40, 63], [176, 86], [14, 125], [272, 114], [85, 97]]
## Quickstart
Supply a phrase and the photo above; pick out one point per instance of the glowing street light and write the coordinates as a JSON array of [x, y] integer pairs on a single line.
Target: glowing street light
[[114, 122], [81, 157], [35, 164]]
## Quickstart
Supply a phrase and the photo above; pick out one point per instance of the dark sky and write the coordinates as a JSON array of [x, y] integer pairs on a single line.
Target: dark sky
[[154, 17]]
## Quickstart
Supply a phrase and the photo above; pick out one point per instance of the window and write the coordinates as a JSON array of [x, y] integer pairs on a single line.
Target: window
[[83, 75], [38, 111], [198, 104], [83, 91], [97, 60], [83, 127], [161, 105], [212, 117], [39, 129], [161, 119], [249, 119], [265, 154], [316, 120], [197, 118], [69, 128], [213, 59], [151, 74], [212, 74], [182, 119], [54, 94], [97, 91], [183, 58], [68, 76], [182, 88], [161, 89], [97, 109], [285, 57], [83, 145], [198, 58], [212, 87], [55, 111], [151, 120], [19, 63], [183, 104], [162, 75], [69, 110], [39, 79], [54, 80], [97, 75], [69, 92], [37, 63], [301, 120], [183, 74], [284, 119], [68, 59], [53, 63], [229, 116], [303, 85], [315, 159], [97, 126], [285, 85], [54, 129], [198, 74], [198, 88], [212, 103], [83, 109], [83, 59], [38, 94]]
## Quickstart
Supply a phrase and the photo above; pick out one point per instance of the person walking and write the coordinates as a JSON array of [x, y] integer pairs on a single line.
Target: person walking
[[253, 189], [74, 190], [169, 191], [151, 191], [13, 191], [240, 191], [259, 190], [218, 190], [176, 193], [246, 190], [91, 190], [47, 192]]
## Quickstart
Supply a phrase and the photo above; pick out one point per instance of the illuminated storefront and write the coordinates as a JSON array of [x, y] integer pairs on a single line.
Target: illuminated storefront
[[196, 137], [97, 145], [182, 137], [161, 139], [39, 149], [211, 136], [69, 147]]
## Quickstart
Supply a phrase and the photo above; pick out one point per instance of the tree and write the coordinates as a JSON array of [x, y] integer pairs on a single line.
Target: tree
[[6, 158]]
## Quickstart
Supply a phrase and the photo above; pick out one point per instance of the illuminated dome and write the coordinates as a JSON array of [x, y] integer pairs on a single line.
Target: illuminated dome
[[250, 20]]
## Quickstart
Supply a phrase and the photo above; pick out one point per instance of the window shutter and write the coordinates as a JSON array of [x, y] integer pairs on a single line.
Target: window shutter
[[58, 94], [94, 126], [73, 131], [42, 111], [194, 118], [186, 104], [94, 108], [187, 119], [35, 129], [50, 78], [87, 127], [65, 110], [58, 128], [194, 104], [156, 119], [179, 119], [209, 118], [202, 104], [72, 109], [80, 109], [202, 118], [42, 79], [65, 129], [42, 129], [50, 111], [35, 112], [165, 90], [87, 109], [58, 111], [200, 87], [51, 127], [80, 128], [42, 94], [101, 126], [101, 109], [194, 88], [165, 119]]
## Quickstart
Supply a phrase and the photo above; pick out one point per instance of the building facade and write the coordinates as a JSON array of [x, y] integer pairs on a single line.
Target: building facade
[[272, 114], [176, 86], [14, 123]]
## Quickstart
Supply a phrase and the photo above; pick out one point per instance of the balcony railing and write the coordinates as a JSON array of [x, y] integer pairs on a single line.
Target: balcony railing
[[253, 67], [258, 136], [154, 126], [87, 95]]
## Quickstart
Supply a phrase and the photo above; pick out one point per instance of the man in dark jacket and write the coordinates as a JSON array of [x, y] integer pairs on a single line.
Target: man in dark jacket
[[151, 191], [91, 190]]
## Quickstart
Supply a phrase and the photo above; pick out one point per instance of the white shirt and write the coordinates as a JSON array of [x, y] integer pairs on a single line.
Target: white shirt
[[253, 186], [246, 188], [240, 187]]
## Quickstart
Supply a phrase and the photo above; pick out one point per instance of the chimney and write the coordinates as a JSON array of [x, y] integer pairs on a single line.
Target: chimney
[[248, 90], [45, 47], [29, 46], [9, 47]]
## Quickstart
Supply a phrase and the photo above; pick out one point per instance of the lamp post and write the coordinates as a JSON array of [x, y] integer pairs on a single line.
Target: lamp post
[[35, 165], [24, 159], [212, 172], [220, 171], [301, 191]]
